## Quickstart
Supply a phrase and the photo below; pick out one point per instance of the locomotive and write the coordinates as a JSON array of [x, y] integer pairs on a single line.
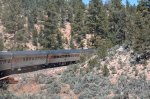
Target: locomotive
[[18, 60]]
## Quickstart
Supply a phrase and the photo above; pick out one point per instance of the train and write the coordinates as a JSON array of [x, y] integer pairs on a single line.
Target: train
[[18, 60]]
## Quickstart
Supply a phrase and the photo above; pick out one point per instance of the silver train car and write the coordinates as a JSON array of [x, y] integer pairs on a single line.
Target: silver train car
[[16, 60]]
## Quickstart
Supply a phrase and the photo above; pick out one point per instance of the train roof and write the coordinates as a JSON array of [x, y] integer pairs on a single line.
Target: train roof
[[4, 54], [43, 52]]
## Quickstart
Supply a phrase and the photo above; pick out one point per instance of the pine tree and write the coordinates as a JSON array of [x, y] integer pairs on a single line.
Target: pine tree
[[96, 22], [51, 34], [1, 43], [96, 18], [13, 20], [12, 16], [117, 20], [78, 20], [78, 16], [105, 71], [141, 37]]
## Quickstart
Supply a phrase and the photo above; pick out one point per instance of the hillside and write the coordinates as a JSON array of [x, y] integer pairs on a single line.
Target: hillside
[[114, 77], [70, 24], [119, 33]]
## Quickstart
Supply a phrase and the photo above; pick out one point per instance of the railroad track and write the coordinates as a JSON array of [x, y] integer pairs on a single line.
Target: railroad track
[[14, 78]]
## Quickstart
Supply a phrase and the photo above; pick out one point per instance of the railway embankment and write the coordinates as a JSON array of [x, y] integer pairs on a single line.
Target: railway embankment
[[117, 76]]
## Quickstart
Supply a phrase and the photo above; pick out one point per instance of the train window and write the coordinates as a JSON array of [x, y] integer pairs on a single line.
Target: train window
[[43, 57], [61, 56], [5, 61], [33, 58], [27, 59], [0, 61], [8, 61], [24, 59]]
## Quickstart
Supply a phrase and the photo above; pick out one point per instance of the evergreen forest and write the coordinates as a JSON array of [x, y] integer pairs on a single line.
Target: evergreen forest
[[110, 23]]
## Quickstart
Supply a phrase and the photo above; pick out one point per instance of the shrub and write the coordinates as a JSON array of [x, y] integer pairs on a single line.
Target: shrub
[[87, 94], [43, 79], [1, 44], [77, 88], [3, 85], [82, 58], [105, 70], [6, 95], [92, 63], [53, 88], [55, 96], [113, 70]]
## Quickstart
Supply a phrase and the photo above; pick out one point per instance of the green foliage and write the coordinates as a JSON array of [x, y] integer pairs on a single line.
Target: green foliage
[[1, 44], [117, 20], [110, 24], [11, 16], [43, 79], [96, 22], [51, 38], [104, 45], [35, 37], [105, 70], [92, 63], [53, 88], [141, 36], [82, 58]]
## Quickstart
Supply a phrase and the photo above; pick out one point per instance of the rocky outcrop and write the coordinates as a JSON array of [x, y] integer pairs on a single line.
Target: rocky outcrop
[[120, 62]]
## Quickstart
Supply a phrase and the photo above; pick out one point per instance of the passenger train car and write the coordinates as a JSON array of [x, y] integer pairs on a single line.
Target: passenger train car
[[17, 60]]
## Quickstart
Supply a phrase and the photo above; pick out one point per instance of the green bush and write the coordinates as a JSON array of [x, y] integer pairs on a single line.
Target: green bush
[[54, 88], [1, 44], [82, 58], [92, 63], [105, 71], [43, 79]]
